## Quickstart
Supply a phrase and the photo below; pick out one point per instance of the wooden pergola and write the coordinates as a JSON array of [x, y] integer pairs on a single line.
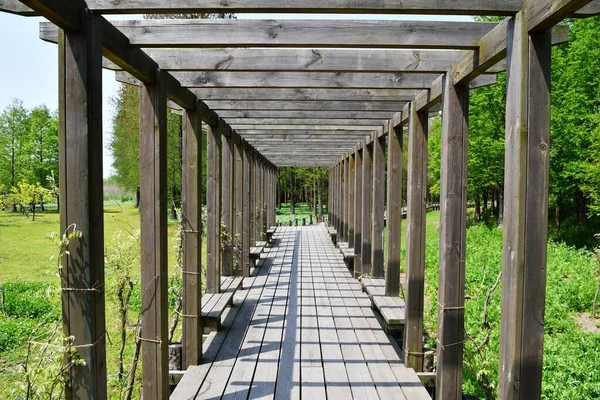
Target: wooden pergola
[[330, 93]]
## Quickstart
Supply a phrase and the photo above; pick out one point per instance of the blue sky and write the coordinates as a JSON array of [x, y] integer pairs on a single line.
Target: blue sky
[[29, 69]]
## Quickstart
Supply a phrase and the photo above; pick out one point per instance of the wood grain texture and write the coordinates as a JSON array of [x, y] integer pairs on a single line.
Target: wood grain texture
[[358, 203], [281, 112], [213, 210], [378, 207], [370, 124], [452, 246], [153, 214], [191, 220], [415, 241], [207, 33], [227, 194], [351, 197], [298, 94], [246, 212], [367, 210], [80, 162], [394, 211], [306, 105]]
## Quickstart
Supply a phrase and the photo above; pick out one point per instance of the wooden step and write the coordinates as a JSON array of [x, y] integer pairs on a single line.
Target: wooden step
[[393, 311], [213, 304]]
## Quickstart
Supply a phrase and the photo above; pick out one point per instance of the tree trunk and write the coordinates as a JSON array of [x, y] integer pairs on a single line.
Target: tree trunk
[[292, 194], [320, 200], [137, 197], [477, 208], [557, 217], [500, 206], [173, 208]]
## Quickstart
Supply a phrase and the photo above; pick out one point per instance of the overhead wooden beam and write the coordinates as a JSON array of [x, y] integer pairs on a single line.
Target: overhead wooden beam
[[544, 14], [298, 94], [303, 115], [363, 123], [306, 133], [207, 33], [293, 128], [314, 105], [68, 14]]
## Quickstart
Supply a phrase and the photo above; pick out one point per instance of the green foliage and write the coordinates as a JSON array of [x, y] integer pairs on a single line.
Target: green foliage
[[14, 332], [32, 300]]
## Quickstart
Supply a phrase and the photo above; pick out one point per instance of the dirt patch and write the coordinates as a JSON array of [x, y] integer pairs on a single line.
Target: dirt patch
[[587, 323]]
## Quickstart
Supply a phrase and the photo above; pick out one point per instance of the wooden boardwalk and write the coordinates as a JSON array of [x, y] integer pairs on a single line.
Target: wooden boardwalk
[[301, 328]]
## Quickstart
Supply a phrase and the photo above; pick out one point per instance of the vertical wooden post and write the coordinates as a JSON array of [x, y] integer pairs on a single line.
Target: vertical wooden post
[[338, 200], [378, 206], [191, 222], [334, 196], [153, 214], [246, 211], [351, 196], [415, 242], [367, 209], [227, 214], [329, 198], [345, 197], [80, 147], [358, 167], [453, 231], [394, 212], [525, 211], [239, 201], [213, 209]]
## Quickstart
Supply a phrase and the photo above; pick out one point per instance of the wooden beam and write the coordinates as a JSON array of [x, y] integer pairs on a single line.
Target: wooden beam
[[295, 128], [323, 80], [191, 222], [394, 213], [415, 241], [367, 209], [300, 134], [544, 14], [301, 123], [303, 115], [80, 161], [298, 94], [351, 197], [68, 14], [153, 213], [378, 207], [525, 212], [452, 245], [246, 211], [307, 105], [213, 209], [231, 33]]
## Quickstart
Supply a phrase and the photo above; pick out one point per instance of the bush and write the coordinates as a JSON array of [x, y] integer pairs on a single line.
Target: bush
[[34, 300], [14, 332]]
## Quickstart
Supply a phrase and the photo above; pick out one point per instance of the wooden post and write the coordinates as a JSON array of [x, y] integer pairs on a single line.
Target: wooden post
[[394, 212], [330, 198], [80, 147], [246, 212], [345, 203], [367, 207], [213, 210], [239, 202], [227, 214], [358, 166], [153, 214], [452, 240], [252, 202], [378, 206], [334, 197], [351, 196], [415, 242], [525, 212], [191, 221]]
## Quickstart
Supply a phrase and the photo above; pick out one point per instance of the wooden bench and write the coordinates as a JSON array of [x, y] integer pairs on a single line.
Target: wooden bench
[[213, 304], [348, 255], [256, 251], [270, 232], [393, 311], [333, 234]]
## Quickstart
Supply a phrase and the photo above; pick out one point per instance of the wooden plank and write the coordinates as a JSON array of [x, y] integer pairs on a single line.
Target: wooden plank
[[227, 212], [207, 33], [392, 309], [153, 212], [80, 161], [315, 80], [68, 14], [351, 197], [367, 210], [246, 212], [525, 236], [239, 204], [452, 240], [298, 94], [378, 206], [213, 210], [544, 14], [415, 242], [358, 210], [191, 220], [344, 198], [281, 127], [303, 115], [304, 105], [394, 211]]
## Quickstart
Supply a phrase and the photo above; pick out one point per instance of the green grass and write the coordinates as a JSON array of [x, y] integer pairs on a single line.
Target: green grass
[[303, 210]]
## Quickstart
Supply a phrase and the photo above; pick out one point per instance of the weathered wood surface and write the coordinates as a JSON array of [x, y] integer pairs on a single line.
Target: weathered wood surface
[[415, 242], [207, 33], [452, 244], [351, 199], [80, 147], [525, 213], [303, 105], [394, 211], [238, 206], [281, 112], [246, 212], [378, 207], [367, 210], [472, 7], [303, 327], [358, 166], [213, 210], [371, 124], [213, 304], [298, 94], [191, 222], [227, 195], [153, 213], [241, 127]]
